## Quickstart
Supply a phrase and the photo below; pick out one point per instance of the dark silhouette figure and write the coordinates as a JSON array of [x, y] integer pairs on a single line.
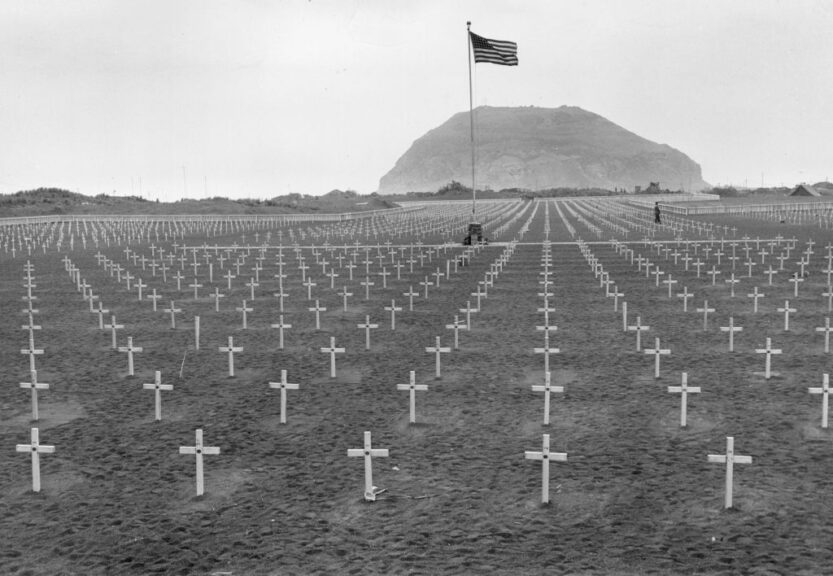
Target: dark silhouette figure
[[656, 213]]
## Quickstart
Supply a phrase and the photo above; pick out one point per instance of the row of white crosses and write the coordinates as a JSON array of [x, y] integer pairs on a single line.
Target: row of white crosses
[[684, 389], [35, 448]]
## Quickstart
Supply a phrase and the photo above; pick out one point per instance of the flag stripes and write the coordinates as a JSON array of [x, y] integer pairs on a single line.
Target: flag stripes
[[500, 52]]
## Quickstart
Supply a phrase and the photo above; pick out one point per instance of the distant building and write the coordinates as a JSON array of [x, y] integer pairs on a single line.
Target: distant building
[[805, 190], [653, 188]]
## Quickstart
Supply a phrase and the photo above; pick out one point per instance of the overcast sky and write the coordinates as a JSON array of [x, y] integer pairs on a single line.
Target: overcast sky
[[261, 98]]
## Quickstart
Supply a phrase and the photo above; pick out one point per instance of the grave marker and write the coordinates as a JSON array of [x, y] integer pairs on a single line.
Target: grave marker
[[705, 310], [393, 309], [826, 329], [130, 349], [755, 295], [684, 389], [638, 328], [546, 351], [199, 451], [281, 327], [731, 329], [657, 352], [412, 387], [244, 310], [35, 448], [158, 387], [230, 349], [368, 452], [547, 388], [34, 385], [730, 459], [824, 391], [172, 311], [769, 351], [112, 326], [367, 326], [317, 309], [786, 310], [283, 385], [456, 326], [332, 351], [437, 350], [545, 456]]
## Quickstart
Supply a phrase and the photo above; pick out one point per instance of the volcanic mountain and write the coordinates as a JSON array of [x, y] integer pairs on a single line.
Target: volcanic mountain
[[538, 148]]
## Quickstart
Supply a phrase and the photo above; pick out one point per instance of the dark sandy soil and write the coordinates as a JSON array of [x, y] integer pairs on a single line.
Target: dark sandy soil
[[636, 495]]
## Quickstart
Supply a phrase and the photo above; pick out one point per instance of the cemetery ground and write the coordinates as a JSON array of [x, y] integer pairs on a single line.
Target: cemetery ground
[[636, 495]]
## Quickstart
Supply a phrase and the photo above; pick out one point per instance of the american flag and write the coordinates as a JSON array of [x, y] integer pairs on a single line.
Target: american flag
[[500, 52]]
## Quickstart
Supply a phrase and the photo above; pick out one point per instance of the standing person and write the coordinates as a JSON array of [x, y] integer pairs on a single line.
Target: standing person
[[656, 213]]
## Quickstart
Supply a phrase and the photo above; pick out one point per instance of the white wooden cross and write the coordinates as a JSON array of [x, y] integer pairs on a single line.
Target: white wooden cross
[[755, 295], [332, 351], [824, 391], [685, 296], [368, 452], [795, 280], [410, 294], [786, 310], [309, 284], [367, 326], [714, 272], [670, 284], [172, 311], [615, 294], [731, 329], [317, 309], [199, 451], [195, 285], [469, 311], [393, 309], [344, 294], [730, 459], [657, 352], [437, 350], [229, 277], [478, 294], [35, 448], [413, 387], [546, 309], [684, 389], [112, 326], [153, 296], [367, 283], [826, 329], [705, 310], [283, 385], [252, 284], [457, 326], [244, 310], [281, 327], [545, 456], [230, 349], [158, 387], [130, 349], [546, 351], [731, 282], [426, 283], [547, 388], [769, 351], [638, 328], [139, 286], [31, 350], [216, 296], [35, 386]]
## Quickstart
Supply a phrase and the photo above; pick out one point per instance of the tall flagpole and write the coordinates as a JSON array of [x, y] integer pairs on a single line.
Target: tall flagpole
[[471, 123]]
